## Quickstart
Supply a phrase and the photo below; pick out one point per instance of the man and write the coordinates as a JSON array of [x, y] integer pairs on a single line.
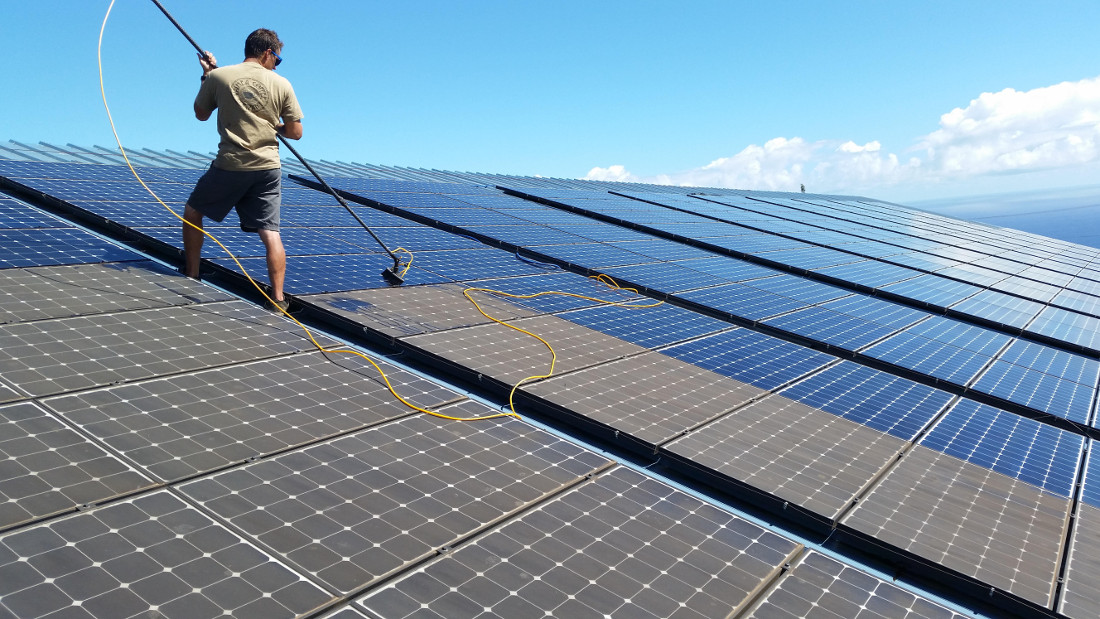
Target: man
[[253, 103]]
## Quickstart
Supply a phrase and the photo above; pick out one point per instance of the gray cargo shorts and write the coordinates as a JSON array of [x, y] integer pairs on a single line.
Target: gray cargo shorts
[[257, 195]]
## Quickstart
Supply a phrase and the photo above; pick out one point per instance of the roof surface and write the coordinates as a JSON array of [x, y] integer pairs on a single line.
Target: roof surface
[[817, 404]]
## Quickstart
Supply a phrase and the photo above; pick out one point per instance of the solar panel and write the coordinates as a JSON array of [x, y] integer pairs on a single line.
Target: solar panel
[[983, 495], [650, 327], [618, 546], [822, 586], [153, 553], [963, 496], [508, 355], [398, 493], [50, 357], [49, 246], [650, 397], [15, 214], [750, 357]]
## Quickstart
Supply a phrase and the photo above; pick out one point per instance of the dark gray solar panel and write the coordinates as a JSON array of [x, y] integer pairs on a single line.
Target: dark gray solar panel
[[46, 467], [151, 554], [353, 510], [820, 587], [178, 426], [53, 356], [651, 397], [622, 545], [60, 292]]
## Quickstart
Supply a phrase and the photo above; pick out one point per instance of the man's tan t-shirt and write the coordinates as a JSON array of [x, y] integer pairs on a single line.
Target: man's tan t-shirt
[[250, 101]]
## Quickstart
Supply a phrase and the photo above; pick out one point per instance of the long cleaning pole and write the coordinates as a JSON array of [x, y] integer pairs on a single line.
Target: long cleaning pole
[[391, 275]]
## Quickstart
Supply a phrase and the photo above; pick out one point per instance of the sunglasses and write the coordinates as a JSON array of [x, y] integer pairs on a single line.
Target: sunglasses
[[278, 59]]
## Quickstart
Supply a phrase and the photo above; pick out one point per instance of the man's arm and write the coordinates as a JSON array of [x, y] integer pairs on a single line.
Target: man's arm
[[291, 130], [208, 63], [202, 114]]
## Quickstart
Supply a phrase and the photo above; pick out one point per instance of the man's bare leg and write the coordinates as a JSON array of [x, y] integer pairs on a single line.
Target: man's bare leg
[[276, 262], [192, 242]]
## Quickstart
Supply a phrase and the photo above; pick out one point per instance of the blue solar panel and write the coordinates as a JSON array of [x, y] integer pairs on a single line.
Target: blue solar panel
[[831, 327], [1068, 326], [730, 269], [664, 276], [942, 348], [470, 264], [1038, 390], [597, 231], [799, 288], [1090, 491], [1038, 454], [933, 289], [651, 327], [870, 273], [337, 273], [527, 235], [750, 357], [877, 311], [410, 236], [743, 301], [15, 214], [664, 250], [875, 399], [757, 244], [593, 255], [810, 258], [52, 246]]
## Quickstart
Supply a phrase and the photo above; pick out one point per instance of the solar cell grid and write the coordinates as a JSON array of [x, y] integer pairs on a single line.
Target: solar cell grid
[[812, 459], [397, 493], [1000, 307], [151, 554], [1078, 301], [1068, 326], [664, 276], [869, 273], [307, 275], [509, 356], [593, 255], [1004, 532], [872, 398], [756, 244], [46, 467], [650, 397], [743, 301], [750, 357], [937, 358], [664, 249], [933, 289], [1038, 454], [799, 288], [473, 264], [830, 327], [621, 545], [72, 290], [730, 269], [820, 587], [877, 310], [650, 327], [51, 246], [16, 214], [53, 356]]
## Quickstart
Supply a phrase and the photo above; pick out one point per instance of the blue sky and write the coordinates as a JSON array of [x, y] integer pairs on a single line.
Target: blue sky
[[900, 101]]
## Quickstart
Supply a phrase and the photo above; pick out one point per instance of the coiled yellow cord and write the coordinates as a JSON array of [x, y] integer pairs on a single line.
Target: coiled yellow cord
[[608, 281]]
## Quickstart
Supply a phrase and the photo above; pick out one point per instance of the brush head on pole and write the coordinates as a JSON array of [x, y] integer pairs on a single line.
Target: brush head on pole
[[392, 278]]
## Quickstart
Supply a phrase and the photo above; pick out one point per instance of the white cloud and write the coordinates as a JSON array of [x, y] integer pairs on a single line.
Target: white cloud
[[1010, 131]]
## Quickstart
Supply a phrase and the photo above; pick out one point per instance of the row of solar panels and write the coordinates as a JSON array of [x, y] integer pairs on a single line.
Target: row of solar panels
[[143, 398]]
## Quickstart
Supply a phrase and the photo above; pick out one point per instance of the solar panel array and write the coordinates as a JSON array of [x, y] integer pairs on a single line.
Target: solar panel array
[[911, 388]]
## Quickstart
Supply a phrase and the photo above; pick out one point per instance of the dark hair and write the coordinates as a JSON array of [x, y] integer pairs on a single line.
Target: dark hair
[[260, 41]]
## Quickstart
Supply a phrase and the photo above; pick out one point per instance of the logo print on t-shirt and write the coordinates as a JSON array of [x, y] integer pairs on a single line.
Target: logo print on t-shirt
[[251, 94]]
